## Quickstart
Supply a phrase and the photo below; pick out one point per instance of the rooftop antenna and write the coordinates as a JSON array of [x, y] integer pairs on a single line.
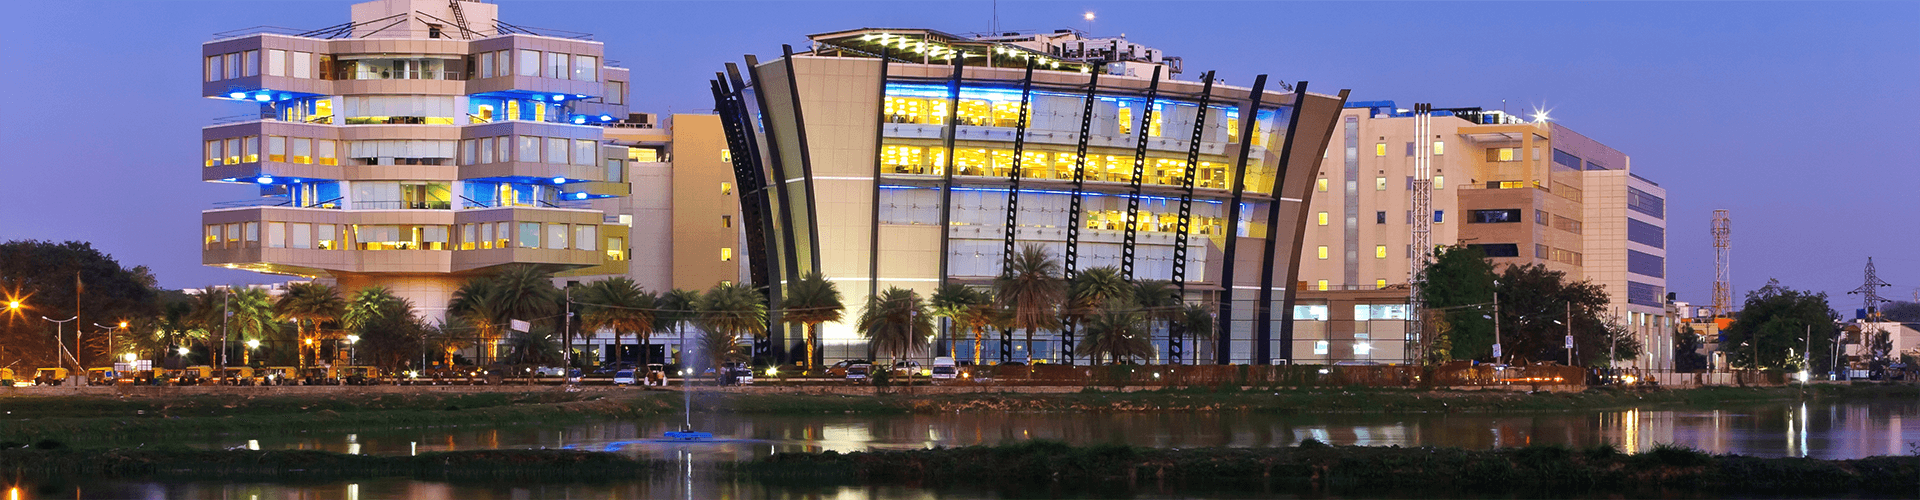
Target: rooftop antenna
[[994, 29]]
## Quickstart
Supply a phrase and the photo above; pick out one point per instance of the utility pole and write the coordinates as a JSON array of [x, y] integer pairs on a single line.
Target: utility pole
[[1569, 333], [224, 314], [1496, 322]]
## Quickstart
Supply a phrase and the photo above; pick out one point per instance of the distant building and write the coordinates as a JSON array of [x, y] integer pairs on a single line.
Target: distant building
[[1524, 192]]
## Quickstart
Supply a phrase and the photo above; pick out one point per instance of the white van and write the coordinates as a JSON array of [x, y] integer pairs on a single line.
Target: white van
[[943, 369]]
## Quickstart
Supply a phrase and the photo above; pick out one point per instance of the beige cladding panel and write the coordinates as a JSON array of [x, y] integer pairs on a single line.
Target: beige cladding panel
[[698, 205], [839, 101], [909, 253]]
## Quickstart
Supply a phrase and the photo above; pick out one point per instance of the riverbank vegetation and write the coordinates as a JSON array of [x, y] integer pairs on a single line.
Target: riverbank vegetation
[[1037, 467], [106, 418]]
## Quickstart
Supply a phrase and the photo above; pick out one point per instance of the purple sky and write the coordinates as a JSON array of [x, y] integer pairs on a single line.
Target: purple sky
[[1798, 117]]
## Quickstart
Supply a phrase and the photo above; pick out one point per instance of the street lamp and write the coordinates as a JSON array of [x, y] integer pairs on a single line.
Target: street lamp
[[353, 350], [123, 326]]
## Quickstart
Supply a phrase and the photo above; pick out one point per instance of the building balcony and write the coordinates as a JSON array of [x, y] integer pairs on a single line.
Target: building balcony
[[313, 241]]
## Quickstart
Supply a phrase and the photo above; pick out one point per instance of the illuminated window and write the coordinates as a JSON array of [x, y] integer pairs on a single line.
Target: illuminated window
[[485, 241], [1439, 182], [616, 249], [1320, 185], [726, 221], [1380, 149], [1322, 217], [1439, 148], [233, 233], [1323, 285], [214, 155], [1320, 347], [468, 237], [726, 188], [302, 150], [643, 154], [233, 151], [726, 254], [328, 152], [1379, 251], [1322, 252], [213, 235], [326, 237], [1379, 283], [1502, 154], [253, 148], [1379, 184], [503, 232]]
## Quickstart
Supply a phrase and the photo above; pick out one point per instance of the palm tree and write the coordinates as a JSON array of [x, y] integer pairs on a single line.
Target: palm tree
[[1031, 289], [720, 347], [896, 323], [968, 308], [208, 316], [732, 309], [477, 303], [1159, 303], [675, 309], [1198, 322], [620, 305], [253, 317], [1093, 290], [811, 301], [526, 293], [309, 304], [1117, 333]]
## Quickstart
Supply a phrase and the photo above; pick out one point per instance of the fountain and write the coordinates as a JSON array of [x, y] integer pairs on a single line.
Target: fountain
[[686, 432]]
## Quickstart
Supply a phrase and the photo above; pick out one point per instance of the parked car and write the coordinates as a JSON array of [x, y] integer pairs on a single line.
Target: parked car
[[656, 374], [623, 377], [907, 368], [858, 372], [840, 369], [943, 368]]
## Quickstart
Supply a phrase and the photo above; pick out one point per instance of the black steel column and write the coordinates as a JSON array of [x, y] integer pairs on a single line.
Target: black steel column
[[879, 147], [1073, 212], [1249, 114], [790, 265], [1263, 325], [946, 189], [1139, 170], [1176, 330], [749, 189], [1299, 234], [1013, 198]]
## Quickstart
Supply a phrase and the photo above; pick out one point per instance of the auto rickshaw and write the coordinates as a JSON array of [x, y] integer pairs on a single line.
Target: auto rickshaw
[[49, 376], [236, 376], [319, 375], [6, 377], [279, 375], [102, 376], [359, 375], [192, 375]]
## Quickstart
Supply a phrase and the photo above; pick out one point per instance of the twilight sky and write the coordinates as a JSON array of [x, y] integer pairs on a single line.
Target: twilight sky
[[1798, 117]]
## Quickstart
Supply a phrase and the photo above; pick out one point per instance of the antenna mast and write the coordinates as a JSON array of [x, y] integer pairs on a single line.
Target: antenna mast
[[1722, 280], [1422, 240]]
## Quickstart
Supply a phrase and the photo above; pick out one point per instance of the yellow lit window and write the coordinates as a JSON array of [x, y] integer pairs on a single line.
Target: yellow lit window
[[1379, 251], [1379, 283], [1322, 252], [726, 221], [726, 155], [726, 254], [1320, 185], [1439, 182], [726, 188], [233, 151], [1439, 148], [1380, 149], [213, 153], [253, 148], [1503, 154], [1126, 119], [1322, 218], [1379, 184], [213, 234], [616, 249], [1323, 285]]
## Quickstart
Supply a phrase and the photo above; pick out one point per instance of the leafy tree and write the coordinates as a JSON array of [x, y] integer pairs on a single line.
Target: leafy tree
[[1686, 350], [1771, 329], [393, 337], [41, 276], [811, 301], [207, 318], [1198, 322], [1535, 304], [1160, 304], [1117, 332], [1459, 278], [308, 305], [676, 310], [732, 309], [896, 323], [1901, 311], [1032, 290], [620, 305]]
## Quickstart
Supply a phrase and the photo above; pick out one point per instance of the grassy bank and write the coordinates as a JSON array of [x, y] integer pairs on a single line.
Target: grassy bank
[[105, 418], [1034, 468]]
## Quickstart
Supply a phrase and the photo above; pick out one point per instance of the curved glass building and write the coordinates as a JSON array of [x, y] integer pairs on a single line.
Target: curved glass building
[[914, 158]]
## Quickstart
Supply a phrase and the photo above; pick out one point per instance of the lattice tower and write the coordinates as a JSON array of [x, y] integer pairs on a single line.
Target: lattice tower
[[1422, 237], [1871, 292], [1722, 278]]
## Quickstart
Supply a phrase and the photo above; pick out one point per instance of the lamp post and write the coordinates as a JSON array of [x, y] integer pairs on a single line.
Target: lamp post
[[59, 337], [123, 326], [353, 349], [246, 357], [1496, 322]]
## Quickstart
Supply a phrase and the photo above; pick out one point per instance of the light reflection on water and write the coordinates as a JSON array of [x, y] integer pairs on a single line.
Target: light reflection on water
[[1833, 431]]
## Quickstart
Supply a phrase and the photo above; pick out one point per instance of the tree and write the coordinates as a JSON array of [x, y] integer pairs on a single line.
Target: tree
[[732, 309], [253, 319], [308, 305], [620, 305], [1686, 350], [896, 323], [539, 346], [207, 317], [720, 348], [518, 292], [1535, 304], [1116, 332], [1773, 325], [968, 308], [811, 301], [676, 309], [1197, 320], [1160, 303], [391, 338], [1454, 285], [1032, 290], [41, 275], [477, 303], [1901, 311], [1090, 292]]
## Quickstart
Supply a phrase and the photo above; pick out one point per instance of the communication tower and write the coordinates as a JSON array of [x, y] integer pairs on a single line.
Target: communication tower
[[1722, 279], [1422, 240]]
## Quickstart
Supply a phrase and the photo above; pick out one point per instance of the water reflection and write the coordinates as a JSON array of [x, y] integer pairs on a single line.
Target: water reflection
[[1785, 429]]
